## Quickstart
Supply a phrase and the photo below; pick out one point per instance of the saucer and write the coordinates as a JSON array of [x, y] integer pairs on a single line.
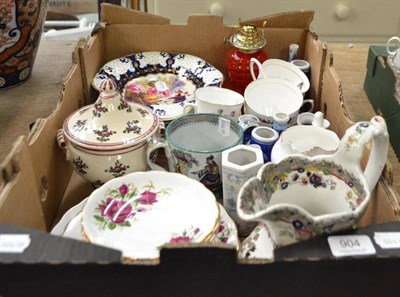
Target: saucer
[[258, 245], [70, 226]]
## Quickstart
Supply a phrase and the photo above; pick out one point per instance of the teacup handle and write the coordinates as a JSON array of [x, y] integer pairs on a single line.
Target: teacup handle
[[305, 102], [154, 144], [189, 107], [392, 39], [253, 75]]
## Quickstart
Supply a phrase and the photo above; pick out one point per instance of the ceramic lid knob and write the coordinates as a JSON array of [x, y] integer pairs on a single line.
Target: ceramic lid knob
[[108, 87], [318, 119]]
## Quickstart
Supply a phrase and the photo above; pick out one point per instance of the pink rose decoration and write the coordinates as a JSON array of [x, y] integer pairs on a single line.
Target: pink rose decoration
[[221, 228], [165, 93], [114, 208], [180, 239], [148, 198], [123, 190], [133, 88], [152, 91]]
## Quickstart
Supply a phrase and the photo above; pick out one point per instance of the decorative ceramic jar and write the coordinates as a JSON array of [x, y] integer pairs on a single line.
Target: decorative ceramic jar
[[247, 43], [301, 197], [265, 137], [108, 138], [238, 165], [21, 26]]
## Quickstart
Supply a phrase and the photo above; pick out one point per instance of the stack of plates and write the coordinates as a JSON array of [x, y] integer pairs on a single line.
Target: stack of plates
[[140, 212]]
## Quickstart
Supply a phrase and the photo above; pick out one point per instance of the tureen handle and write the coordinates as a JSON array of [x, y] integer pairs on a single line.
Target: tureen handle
[[62, 144]]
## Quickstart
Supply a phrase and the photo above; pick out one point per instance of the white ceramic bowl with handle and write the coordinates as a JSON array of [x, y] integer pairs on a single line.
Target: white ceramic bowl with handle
[[265, 97]]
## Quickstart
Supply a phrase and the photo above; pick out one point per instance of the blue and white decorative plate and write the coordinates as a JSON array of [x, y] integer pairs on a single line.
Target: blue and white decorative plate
[[162, 81]]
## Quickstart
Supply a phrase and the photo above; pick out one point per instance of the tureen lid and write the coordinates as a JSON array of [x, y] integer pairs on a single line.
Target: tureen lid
[[248, 39], [111, 122]]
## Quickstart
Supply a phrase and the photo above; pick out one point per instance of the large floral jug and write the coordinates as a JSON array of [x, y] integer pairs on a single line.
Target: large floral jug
[[302, 197]]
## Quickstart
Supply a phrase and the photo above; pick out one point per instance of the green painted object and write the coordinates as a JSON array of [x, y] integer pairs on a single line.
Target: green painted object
[[379, 86]]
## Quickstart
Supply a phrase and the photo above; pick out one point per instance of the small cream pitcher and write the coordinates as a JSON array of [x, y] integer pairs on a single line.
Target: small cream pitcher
[[301, 197]]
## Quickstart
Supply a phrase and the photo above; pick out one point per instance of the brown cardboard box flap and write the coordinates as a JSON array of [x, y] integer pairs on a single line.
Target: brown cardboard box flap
[[293, 19], [120, 15]]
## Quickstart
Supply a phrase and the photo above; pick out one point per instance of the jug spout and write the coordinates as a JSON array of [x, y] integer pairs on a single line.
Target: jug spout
[[352, 145]]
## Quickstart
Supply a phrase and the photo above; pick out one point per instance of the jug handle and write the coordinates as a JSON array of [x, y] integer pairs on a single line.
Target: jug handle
[[378, 154], [352, 145], [154, 144]]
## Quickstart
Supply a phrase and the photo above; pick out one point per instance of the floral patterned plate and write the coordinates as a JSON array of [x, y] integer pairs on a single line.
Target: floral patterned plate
[[139, 212], [258, 245], [70, 226], [163, 81]]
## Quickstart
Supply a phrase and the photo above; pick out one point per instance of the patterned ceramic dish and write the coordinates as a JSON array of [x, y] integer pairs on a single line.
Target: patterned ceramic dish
[[70, 226], [141, 211], [163, 81]]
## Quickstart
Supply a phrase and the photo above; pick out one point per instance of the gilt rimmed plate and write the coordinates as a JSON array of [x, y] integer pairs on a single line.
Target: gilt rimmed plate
[[139, 212], [70, 226], [163, 81]]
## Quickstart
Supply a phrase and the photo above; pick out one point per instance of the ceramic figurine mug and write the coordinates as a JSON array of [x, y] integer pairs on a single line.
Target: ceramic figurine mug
[[194, 144], [21, 26]]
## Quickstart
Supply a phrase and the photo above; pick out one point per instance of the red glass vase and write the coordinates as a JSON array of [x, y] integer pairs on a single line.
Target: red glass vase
[[238, 67]]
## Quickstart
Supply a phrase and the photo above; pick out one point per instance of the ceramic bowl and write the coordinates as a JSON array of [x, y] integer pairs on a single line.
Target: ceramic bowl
[[306, 140], [268, 96], [108, 138], [163, 81], [141, 211]]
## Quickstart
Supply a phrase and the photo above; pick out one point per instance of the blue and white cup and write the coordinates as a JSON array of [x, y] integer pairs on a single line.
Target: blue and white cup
[[265, 137]]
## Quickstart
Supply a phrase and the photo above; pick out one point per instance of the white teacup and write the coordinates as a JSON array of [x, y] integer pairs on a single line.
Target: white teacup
[[266, 97], [194, 144], [216, 100]]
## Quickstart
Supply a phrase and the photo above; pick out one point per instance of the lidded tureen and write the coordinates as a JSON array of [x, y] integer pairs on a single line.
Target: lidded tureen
[[108, 138]]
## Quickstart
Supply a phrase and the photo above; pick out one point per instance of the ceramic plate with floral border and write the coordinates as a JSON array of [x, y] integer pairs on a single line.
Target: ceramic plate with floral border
[[70, 226], [139, 212], [163, 81]]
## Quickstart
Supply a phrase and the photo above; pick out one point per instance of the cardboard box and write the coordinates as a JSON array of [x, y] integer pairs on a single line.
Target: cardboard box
[[379, 85], [38, 185]]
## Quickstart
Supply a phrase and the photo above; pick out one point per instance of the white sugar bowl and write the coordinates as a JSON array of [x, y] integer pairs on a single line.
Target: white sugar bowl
[[108, 138]]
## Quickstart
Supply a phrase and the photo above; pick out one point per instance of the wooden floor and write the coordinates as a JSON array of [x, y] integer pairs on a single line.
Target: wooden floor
[[22, 105]]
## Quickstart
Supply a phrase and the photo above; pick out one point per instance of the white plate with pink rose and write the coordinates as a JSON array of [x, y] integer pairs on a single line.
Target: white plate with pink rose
[[141, 211], [149, 205]]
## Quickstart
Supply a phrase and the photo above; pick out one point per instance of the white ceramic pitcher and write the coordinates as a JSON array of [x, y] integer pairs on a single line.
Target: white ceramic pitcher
[[302, 197]]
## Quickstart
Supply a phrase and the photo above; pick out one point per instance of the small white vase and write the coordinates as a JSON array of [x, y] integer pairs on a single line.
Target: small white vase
[[238, 165]]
